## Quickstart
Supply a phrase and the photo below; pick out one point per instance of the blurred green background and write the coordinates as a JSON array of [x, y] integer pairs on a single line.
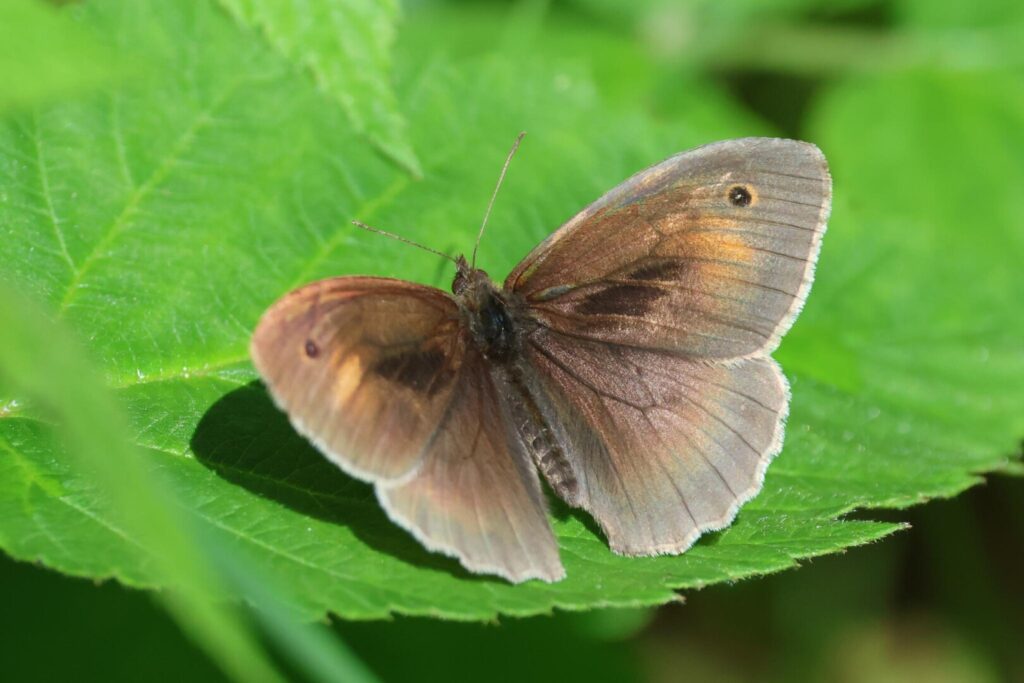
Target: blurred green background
[[942, 601]]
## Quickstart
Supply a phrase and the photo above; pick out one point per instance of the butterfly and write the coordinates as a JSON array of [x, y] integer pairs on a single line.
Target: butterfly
[[625, 359]]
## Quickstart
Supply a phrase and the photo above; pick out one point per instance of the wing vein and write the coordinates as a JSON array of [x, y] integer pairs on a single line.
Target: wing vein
[[664, 469], [598, 393]]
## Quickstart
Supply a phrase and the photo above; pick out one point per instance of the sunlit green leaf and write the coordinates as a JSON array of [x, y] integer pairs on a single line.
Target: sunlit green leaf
[[160, 234]]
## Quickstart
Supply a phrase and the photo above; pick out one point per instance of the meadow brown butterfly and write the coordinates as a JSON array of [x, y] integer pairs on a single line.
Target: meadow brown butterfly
[[626, 358]]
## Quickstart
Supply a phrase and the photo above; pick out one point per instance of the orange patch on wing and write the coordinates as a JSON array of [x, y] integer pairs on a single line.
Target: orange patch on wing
[[724, 259], [725, 249], [695, 218], [349, 374], [709, 221], [730, 247]]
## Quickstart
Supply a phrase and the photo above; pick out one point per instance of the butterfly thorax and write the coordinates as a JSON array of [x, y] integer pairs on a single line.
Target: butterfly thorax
[[486, 313]]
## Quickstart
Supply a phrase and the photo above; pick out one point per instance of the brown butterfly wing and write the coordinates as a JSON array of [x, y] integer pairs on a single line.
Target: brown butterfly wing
[[655, 309], [477, 494], [708, 254], [364, 367], [380, 376], [658, 448]]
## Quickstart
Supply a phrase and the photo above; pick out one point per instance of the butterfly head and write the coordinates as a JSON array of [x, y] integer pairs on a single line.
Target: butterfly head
[[485, 312], [468, 278]]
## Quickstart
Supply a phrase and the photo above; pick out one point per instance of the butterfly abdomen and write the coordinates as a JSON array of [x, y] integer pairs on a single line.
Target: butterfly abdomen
[[535, 432], [556, 469], [496, 328]]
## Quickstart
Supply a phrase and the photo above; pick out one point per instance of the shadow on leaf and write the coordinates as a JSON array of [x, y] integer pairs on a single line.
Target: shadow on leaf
[[246, 440]]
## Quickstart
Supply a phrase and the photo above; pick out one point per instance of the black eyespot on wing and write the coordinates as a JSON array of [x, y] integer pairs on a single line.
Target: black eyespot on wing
[[312, 350], [659, 270], [633, 300], [421, 371], [740, 196]]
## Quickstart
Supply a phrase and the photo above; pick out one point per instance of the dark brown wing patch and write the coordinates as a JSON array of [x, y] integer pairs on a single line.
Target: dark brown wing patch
[[665, 270], [631, 300], [422, 370]]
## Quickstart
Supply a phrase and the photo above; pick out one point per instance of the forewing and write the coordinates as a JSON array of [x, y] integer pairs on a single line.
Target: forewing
[[477, 495], [379, 375], [658, 448], [709, 254], [364, 367]]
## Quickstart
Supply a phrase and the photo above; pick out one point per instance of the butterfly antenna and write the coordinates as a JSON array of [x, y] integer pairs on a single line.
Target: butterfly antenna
[[393, 236], [501, 178]]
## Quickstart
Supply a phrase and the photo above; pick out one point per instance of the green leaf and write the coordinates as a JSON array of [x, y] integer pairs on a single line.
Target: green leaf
[[39, 361], [161, 233], [346, 46], [44, 55], [41, 364]]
